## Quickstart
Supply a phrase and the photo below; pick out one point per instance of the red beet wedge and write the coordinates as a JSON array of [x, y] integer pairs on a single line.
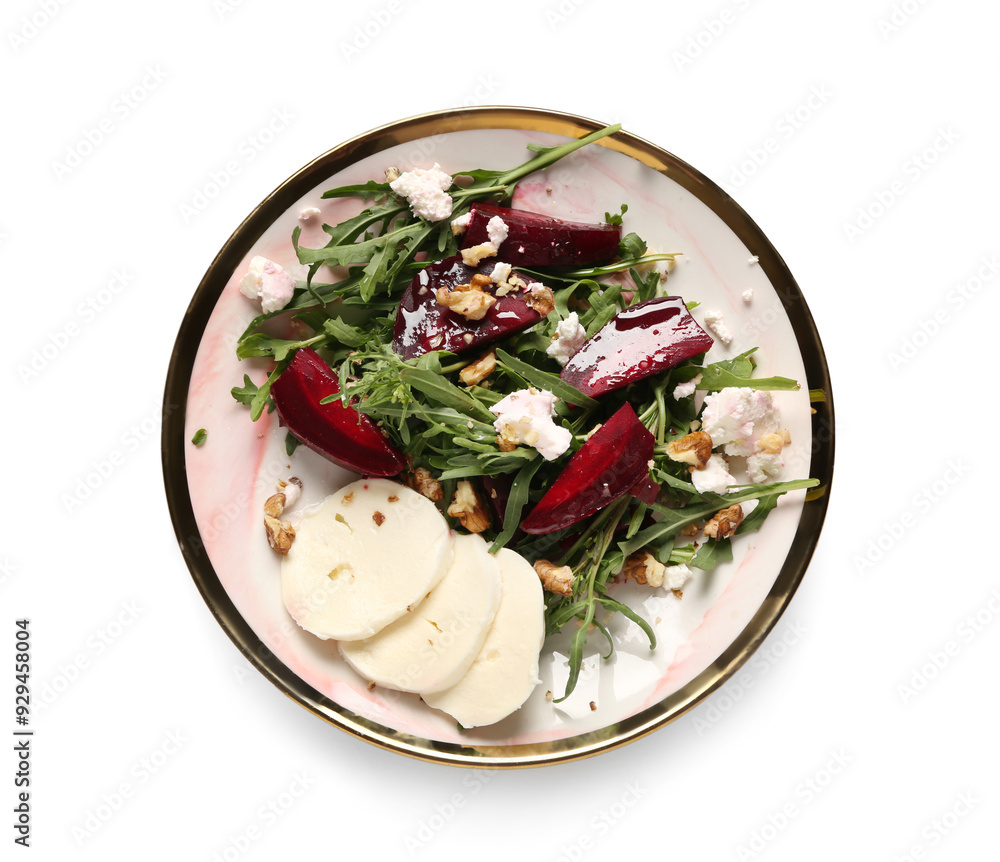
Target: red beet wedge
[[612, 462], [423, 324], [336, 432], [644, 339], [534, 239]]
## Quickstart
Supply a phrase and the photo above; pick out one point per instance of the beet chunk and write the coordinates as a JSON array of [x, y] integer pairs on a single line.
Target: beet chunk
[[611, 463], [534, 239], [337, 432], [644, 339], [423, 324]]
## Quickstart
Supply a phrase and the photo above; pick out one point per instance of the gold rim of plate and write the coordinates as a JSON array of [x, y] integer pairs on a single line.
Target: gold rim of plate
[[513, 756]]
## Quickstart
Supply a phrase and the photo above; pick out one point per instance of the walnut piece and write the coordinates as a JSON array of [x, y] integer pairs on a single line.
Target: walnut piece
[[774, 441], [555, 579], [539, 298], [643, 568], [479, 370], [694, 449], [474, 254], [469, 300], [280, 534], [724, 522], [468, 508], [421, 480]]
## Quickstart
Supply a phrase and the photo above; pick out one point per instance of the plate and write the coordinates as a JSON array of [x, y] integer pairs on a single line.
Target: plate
[[216, 491]]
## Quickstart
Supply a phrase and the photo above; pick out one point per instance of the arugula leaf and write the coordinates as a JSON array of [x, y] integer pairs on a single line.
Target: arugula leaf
[[200, 436], [545, 380]]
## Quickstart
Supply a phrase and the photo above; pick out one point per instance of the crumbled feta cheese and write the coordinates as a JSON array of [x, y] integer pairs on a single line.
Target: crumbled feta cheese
[[568, 339], [683, 390], [458, 225], [764, 466], [425, 190], [307, 213], [737, 417], [267, 281], [674, 577], [525, 416], [714, 477], [716, 324], [501, 272], [496, 230], [748, 295]]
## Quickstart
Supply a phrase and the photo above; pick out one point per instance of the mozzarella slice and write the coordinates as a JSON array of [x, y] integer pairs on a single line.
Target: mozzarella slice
[[506, 670], [432, 647], [368, 554]]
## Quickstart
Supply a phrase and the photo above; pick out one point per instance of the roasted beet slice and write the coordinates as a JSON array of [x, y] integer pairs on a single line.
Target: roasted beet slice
[[336, 432], [644, 339], [534, 239], [423, 324], [611, 463]]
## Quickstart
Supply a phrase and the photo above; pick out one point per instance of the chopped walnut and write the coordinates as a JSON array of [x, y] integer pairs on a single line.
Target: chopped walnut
[[724, 522], [280, 534], [423, 482], [555, 579], [479, 370], [378, 518], [694, 449], [689, 530], [643, 568], [506, 441], [540, 298], [391, 174], [469, 300], [468, 508], [474, 254], [774, 441]]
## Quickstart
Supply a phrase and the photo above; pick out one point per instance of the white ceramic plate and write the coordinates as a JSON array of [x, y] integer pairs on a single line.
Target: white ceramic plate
[[216, 492]]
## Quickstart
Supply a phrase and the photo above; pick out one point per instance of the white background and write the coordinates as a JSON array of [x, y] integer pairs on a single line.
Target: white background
[[862, 138]]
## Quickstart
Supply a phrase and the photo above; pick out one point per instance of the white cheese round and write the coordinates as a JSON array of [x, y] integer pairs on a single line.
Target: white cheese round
[[364, 557], [432, 647], [506, 670]]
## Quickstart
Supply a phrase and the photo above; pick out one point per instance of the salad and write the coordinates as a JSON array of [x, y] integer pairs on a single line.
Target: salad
[[536, 379]]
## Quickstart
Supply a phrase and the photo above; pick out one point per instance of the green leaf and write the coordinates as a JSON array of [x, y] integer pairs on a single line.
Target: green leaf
[[517, 499], [291, 444], [200, 436], [545, 380], [631, 246]]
